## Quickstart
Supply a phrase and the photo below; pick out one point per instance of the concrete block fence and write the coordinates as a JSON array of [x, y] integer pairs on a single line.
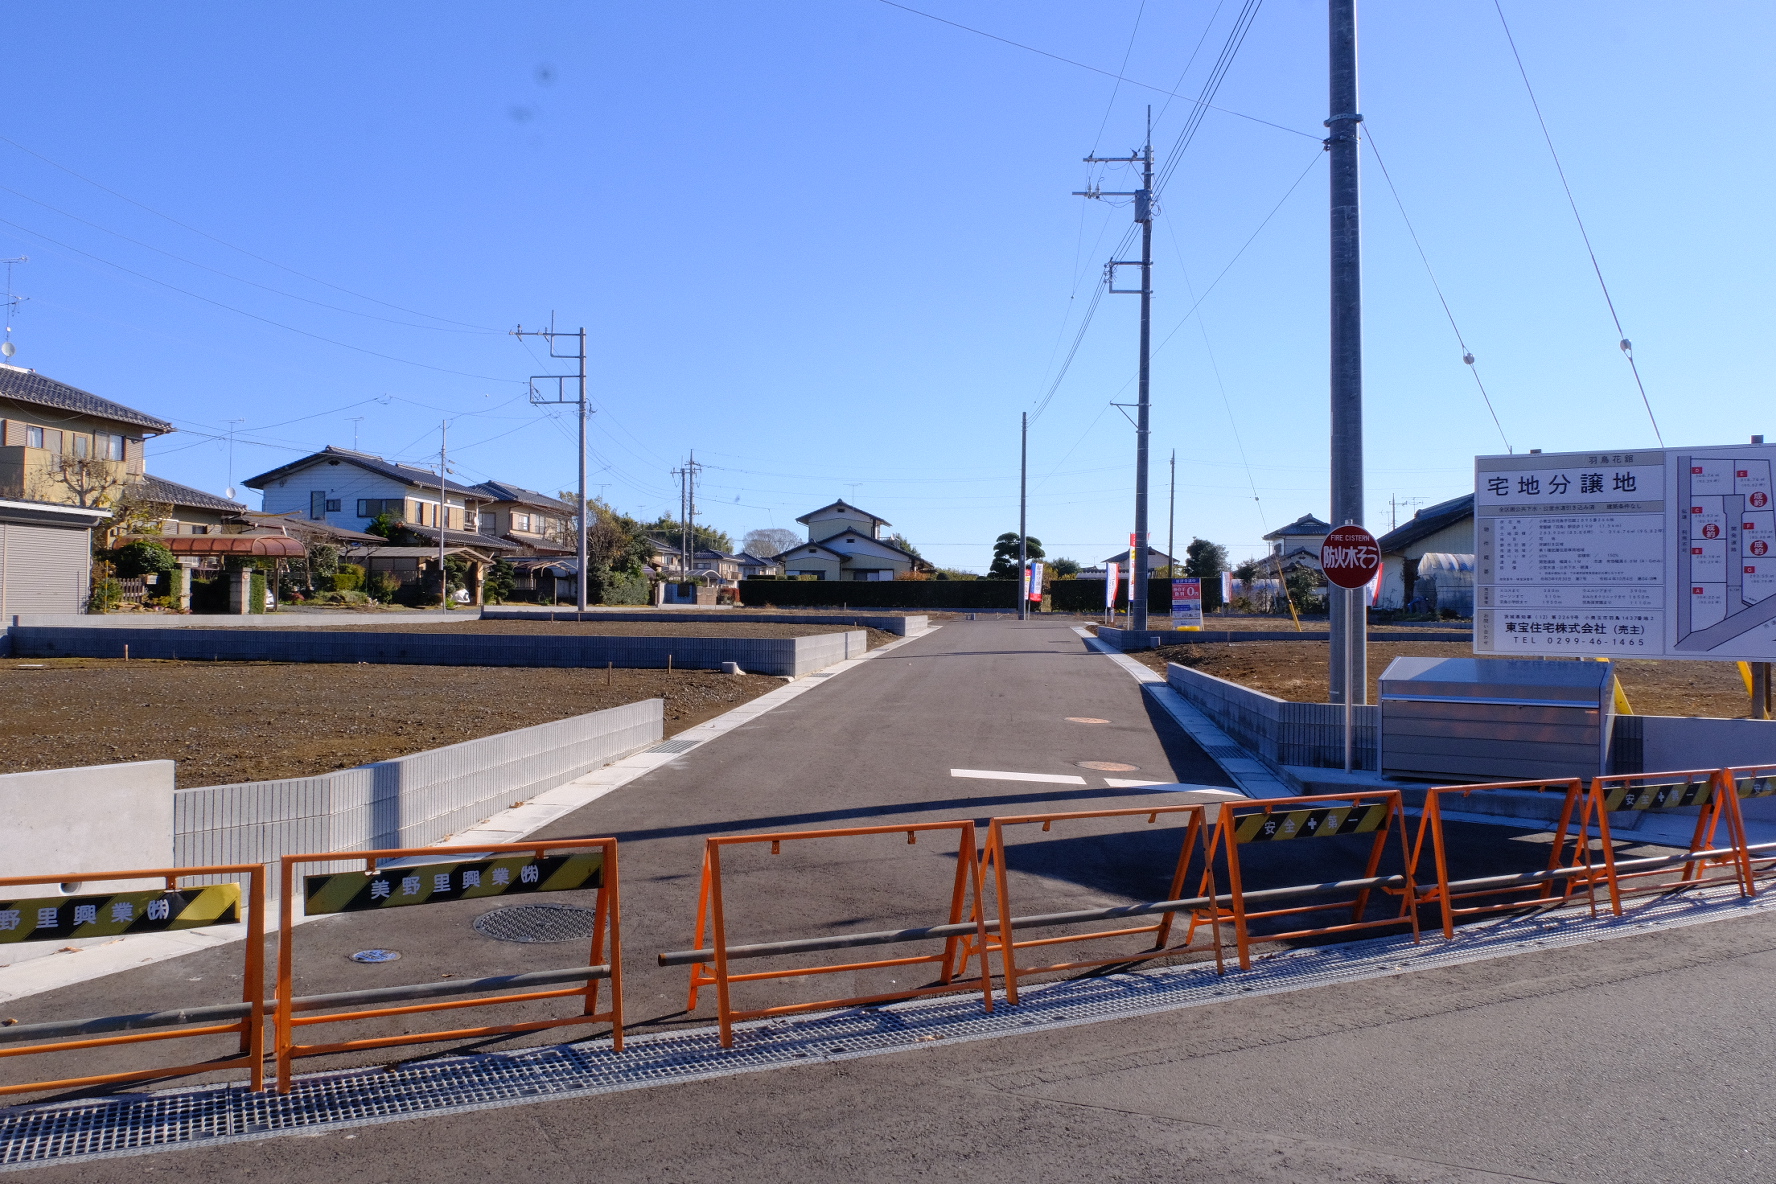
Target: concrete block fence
[[900, 625], [790, 656], [1276, 730], [411, 801]]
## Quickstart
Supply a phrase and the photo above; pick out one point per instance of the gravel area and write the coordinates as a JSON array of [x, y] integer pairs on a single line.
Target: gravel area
[[1296, 670], [250, 721]]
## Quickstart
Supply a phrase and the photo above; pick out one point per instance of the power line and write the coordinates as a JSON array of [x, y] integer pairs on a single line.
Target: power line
[[1094, 69], [1467, 354], [1626, 345], [1236, 37]]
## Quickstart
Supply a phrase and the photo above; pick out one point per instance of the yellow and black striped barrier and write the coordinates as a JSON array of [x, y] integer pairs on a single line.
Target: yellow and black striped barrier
[[435, 883], [1756, 787], [1311, 824], [61, 918], [1658, 797]]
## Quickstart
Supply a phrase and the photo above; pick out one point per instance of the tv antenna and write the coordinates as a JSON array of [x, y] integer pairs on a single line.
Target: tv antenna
[[7, 348]]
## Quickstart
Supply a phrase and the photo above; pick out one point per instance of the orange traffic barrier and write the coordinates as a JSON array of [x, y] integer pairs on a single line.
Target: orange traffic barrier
[[1271, 820], [1561, 872], [461, 873], [710, 965], [1195, 840], [1752, 781], [1710, 789], [122, 913]]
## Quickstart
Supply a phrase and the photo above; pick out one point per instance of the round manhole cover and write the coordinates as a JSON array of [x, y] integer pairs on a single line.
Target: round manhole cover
[[376, 956], [1086, 719], [537, 923], [1108, 766]]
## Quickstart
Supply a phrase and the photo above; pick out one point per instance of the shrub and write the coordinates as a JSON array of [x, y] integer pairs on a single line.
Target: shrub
[[348, 577], [383, 586], [133, 560]]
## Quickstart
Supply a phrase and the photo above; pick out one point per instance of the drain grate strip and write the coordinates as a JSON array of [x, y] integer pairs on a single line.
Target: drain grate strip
[[675, 746], [129, 1124]]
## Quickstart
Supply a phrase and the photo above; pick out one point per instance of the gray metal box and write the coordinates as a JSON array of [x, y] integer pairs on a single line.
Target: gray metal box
[[1496, 719]]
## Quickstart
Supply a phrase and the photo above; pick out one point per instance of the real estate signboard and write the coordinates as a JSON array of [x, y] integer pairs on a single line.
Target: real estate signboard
[[1663, 553]]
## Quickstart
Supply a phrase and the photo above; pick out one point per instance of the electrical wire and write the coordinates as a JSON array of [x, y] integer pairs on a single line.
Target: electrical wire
[[1596, 268], [1236, 37], [1467, 354]]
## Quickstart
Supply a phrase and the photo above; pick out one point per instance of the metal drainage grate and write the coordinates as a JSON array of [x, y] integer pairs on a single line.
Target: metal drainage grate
[[675, 746], [1225, 750], [534, 923]]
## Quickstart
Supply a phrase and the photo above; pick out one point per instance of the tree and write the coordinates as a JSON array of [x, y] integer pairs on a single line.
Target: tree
[[900, 540], [769, 541], [141, 557], [1063, 569], [88, 478], [387, 525], [499, 583], [1206, 561], [703, 538], [1005, 555]]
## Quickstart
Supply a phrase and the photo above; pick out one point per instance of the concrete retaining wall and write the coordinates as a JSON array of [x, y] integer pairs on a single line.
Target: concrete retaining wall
[[1127, 640], [1650, 743], [1275, 730], [287, 619], [407, 802], [791, 656], [98, 818], [898, 625]]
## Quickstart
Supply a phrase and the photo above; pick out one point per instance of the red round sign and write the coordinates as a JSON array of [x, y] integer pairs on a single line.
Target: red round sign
[[1349, 557]]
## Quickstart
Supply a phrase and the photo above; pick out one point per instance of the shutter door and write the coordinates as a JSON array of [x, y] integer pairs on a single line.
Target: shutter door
[[43, 569]]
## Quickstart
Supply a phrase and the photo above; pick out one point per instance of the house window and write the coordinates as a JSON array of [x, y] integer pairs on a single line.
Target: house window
[[195, 529], [521, 522], [110, 446], [332, 505], [81, 445], [488, 521], [52, 440], [375, 507], [317, 504], [33, 437]]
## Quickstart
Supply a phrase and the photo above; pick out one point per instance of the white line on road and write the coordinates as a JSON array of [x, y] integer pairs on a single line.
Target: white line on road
[[998, 775]]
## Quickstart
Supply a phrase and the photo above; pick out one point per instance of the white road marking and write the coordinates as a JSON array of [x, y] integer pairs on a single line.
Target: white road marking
[[998, 775]]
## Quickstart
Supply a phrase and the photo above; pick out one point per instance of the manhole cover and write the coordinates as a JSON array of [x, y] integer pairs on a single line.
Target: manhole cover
[[376, 956], [1085, 719], [537, 923], [1108, 766]]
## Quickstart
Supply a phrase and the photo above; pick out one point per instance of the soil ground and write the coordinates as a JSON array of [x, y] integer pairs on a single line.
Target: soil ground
[[609, 628], [1296, 670], [225, 722]]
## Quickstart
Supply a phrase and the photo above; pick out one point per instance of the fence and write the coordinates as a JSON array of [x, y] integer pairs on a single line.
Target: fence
[[411, 801], [1276, 730], [913, 594]]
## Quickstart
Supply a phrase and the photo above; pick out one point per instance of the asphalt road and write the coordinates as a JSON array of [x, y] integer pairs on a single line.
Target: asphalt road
[[1641, 1058]]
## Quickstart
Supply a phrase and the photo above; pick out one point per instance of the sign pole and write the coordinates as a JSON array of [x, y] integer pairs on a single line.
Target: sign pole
[[1350, 559]]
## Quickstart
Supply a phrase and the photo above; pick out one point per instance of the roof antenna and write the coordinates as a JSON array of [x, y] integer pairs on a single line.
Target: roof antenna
[[7, 348]]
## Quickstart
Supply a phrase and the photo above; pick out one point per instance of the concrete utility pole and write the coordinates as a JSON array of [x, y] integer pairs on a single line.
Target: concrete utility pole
[[1023, 516], [1137, 612], [1348, 626], [560, 396], [1172, 522], [443, 510], [687, 515]]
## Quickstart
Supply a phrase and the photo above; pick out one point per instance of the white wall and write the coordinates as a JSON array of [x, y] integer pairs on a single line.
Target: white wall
[[93, 819], [348, 483]]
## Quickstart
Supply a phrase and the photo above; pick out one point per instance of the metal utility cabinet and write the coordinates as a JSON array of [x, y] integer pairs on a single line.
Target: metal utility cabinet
[[1496, 719]]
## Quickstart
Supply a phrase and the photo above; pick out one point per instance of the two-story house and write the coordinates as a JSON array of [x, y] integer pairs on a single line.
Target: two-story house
[[845, 543], [351, 490], [535, 522]]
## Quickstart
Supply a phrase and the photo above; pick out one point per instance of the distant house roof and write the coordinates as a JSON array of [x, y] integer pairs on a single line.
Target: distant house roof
[[28, 386], [503, 491], [459, 538], [1307, 524], [411, 475], [298, 527], [811, 515], [159, 489], [1155, 558], [1427, 522], [809, 547], [749, 557]]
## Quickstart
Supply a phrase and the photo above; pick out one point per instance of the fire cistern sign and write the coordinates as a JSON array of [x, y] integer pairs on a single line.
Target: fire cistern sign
[[1657, 554]]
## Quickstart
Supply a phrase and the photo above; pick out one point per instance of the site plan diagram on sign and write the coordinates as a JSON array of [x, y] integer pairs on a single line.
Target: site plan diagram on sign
[[1667, 553]]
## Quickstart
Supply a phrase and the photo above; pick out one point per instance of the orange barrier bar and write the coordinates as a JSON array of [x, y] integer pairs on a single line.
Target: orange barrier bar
[[61, 918], [464, 873], [1431, 825], [1710, 789], [712, 923], [1373, 812], [1195, 839]]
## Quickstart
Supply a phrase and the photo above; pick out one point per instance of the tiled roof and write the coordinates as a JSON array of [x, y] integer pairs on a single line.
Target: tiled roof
[[458, 538], [159, 489], [505, 491], [1427, 522], [1307, 524], [840, 505], [28, 386], [406, 474]]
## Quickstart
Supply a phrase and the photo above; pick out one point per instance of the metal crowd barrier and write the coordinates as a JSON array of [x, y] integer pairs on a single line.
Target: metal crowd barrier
[[1704, 788]]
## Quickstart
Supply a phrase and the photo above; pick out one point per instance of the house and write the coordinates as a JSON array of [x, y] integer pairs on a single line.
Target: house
[[1156, 559], [415, 569], [190, 511], [1297, 545], [535, 522], [845, 543], [1446, 531], [753, 566], [64, 455], [351, 489]]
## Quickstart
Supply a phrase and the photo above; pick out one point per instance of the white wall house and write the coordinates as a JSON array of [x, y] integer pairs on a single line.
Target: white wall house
[[351, 490], [845, 543], [1445, 530]]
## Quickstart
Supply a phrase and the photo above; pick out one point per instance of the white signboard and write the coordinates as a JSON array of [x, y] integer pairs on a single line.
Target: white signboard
[[1658, 554]]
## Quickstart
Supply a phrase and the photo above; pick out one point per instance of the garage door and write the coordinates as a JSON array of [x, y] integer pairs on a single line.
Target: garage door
[[43, 569]]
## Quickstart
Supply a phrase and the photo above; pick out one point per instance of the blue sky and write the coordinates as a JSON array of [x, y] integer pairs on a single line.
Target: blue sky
[[830, 244]]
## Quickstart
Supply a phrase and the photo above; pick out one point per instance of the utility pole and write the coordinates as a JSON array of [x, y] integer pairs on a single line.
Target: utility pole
[[443, 511], [687, 514], [1348, 627], [1172, 522], [559, 395], [1137, 612], [1023, 594]]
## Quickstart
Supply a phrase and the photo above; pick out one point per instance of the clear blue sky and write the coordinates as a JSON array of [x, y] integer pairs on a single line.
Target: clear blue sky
[[830, 244]]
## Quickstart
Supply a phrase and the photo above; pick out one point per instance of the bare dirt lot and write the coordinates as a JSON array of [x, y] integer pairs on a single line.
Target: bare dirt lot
[[249, 721], [1296, 670], [608, 628]]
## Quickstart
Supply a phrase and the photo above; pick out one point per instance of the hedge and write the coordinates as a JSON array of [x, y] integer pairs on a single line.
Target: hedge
[[910, 594], [1087, 596]]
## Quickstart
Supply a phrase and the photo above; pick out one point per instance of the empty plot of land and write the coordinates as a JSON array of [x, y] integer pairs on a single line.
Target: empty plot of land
[[614, 628], [252, 721], [1296, 670]]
